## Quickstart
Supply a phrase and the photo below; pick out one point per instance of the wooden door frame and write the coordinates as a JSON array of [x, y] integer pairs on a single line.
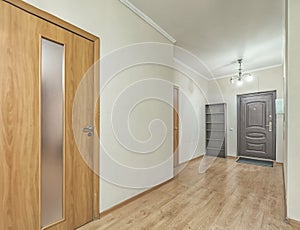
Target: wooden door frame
[[175, 151], [239, 97], [96, 40]]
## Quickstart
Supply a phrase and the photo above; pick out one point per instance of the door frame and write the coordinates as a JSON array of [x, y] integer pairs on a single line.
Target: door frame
[[239, 97], [96, 40], [175, 149]]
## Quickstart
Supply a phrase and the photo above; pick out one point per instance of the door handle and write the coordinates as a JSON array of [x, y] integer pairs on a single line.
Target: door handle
[[89, 130], [270, 125]]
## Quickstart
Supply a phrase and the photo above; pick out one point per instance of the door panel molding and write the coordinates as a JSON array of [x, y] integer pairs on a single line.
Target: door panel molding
[[259, 132]]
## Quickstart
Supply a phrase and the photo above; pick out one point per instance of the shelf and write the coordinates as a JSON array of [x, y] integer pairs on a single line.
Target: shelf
[[219, 113], [215, 123], [215, 149], [211, 130], [211, 139], [216, 129]]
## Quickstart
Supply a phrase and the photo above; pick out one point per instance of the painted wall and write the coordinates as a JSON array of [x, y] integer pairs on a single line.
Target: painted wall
[[293, 109], [222, 90], [109, 19], [119, 27], [192, 100], [151, 119], [136, 133]]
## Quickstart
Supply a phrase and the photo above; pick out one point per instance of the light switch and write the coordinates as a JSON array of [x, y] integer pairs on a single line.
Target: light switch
[[279, 106]]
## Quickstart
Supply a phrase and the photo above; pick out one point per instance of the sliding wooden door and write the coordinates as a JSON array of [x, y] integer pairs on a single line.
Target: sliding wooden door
[[22, 37]]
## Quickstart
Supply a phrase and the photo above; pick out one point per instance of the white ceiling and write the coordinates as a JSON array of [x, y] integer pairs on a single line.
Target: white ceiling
[[219, 32]]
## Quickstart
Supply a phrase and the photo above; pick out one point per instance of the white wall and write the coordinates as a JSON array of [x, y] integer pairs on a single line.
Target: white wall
[[125, 171], [109, 19], [118, 27], [192, 100], [222, 90], [293, 110]]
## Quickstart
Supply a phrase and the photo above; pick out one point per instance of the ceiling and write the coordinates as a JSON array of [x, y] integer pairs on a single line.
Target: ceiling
[[218, 32]]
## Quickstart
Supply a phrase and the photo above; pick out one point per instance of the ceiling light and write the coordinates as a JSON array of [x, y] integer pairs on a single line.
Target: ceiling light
[[239, 82], [249, 78], [232, 80], [241, 76]]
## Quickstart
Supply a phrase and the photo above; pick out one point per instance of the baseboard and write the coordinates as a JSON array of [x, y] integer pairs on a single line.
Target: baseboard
[[293, 223], [235, 157], [258, 158], [284, 194], [110, 210], [189, 161], [122, 204]]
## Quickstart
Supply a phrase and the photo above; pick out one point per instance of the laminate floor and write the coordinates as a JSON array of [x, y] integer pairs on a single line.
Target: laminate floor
[[228, 195]]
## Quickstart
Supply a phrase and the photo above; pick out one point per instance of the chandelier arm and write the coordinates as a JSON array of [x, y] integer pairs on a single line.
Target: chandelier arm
[[241, 75]]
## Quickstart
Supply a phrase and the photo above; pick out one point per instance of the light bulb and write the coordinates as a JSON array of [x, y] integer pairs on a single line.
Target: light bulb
[[239, 83], [249, 78]]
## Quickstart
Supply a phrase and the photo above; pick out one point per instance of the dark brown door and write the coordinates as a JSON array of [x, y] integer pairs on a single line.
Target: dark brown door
[[257, 125]]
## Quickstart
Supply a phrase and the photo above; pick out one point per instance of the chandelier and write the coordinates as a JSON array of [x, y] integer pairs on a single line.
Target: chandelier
[[241, 77]]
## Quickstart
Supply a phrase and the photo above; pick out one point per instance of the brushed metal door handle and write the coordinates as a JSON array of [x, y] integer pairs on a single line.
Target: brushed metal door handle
[[270, 126], [89, 130]]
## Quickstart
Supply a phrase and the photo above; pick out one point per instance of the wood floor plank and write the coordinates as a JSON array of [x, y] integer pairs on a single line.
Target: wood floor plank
[[228, 195]]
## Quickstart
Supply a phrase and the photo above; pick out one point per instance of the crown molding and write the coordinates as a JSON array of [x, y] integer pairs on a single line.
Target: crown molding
[[147, 19], [188, 67], [251, 70]]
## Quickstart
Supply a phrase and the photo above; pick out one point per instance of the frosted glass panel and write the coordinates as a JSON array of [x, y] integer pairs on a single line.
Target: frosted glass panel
[[52, 131]]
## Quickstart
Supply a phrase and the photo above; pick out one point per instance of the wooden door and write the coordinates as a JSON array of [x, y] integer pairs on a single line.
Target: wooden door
[[257, 125], [175, 127], [21, 33]]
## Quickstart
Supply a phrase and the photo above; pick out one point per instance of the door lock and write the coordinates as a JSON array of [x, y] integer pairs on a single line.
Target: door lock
[[89, 130]]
